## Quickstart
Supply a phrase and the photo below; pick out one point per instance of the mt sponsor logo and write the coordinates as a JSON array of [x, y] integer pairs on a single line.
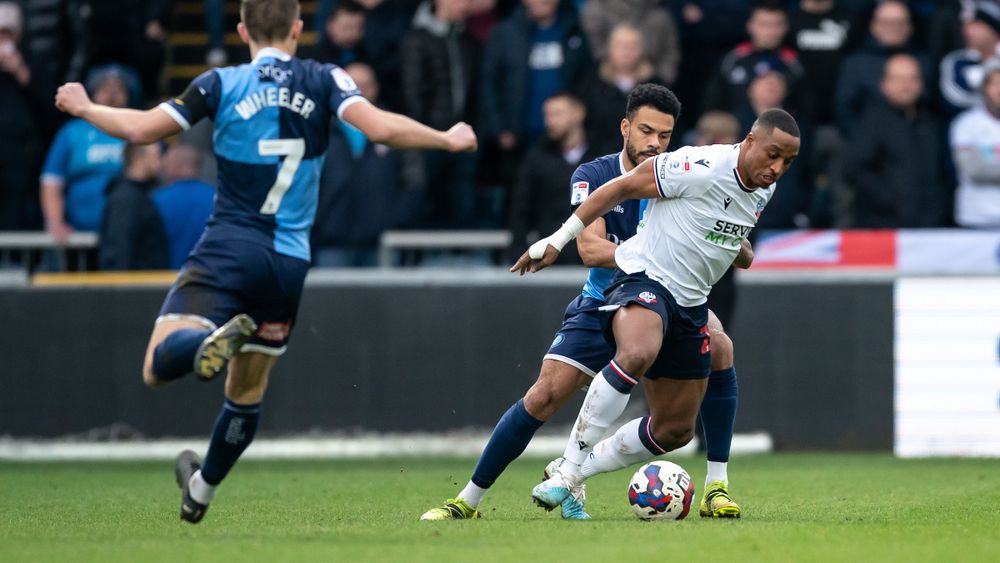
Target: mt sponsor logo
[[728, 234]]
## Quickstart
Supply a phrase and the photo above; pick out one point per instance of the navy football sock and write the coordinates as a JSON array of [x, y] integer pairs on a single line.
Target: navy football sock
[[233, 432], [510, 437], [174, 357], [718, 413]]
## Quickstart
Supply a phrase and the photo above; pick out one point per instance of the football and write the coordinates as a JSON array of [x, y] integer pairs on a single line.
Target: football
[[661, 490]]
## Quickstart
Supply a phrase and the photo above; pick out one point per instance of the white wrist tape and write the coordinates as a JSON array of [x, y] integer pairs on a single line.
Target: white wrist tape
[[567, 232]]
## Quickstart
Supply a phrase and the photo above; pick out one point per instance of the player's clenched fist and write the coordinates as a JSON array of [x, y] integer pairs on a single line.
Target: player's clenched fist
[[461, 138], [72, 98]]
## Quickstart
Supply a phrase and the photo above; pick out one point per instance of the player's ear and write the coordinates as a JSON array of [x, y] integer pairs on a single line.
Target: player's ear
[[625, 127], [241, 30], [297, 29]]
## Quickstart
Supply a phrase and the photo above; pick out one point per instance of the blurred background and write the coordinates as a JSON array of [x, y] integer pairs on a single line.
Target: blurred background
[[870, 320]]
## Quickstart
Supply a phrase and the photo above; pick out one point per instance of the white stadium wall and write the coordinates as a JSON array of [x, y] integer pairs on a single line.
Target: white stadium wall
[[947, 367]]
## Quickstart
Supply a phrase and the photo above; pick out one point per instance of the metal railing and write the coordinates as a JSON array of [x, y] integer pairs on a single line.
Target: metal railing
[[393, 241], [31, 244]]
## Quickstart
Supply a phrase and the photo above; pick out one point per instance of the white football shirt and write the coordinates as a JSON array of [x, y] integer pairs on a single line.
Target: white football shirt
[[689, 237], [977, 199]]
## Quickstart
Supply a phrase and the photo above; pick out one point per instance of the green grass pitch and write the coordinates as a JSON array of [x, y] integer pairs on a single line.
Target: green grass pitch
[[798, 507]]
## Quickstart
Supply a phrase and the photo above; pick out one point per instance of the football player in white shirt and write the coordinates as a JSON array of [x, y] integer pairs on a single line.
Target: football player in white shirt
[[706, 201]]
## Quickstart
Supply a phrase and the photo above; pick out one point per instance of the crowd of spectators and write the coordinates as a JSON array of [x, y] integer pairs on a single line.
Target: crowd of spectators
[[898, 102]]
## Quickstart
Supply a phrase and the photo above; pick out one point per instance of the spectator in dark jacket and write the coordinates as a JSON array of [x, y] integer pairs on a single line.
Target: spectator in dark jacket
[[133, 33], [364, 190], [538, 51], [858, 83], [57, 45], [22, 98], [727, 89], [341, 35], [822, 33], [541, 198], [440, 72], [132, 235], [894, 160]]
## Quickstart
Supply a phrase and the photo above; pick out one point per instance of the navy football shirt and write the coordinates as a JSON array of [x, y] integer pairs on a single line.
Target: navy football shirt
[[271, 120], [621, 222]]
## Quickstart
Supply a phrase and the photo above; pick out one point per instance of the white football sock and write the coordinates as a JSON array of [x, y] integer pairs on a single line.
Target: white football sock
[[618, 451], [717, 471], [472, 494], [200, 491], [602, 406]]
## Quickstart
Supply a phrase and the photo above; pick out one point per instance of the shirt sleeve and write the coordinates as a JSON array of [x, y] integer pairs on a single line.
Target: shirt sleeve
[[343, 91], [56, 167], [582, 183], [677, 171], [200, 99]]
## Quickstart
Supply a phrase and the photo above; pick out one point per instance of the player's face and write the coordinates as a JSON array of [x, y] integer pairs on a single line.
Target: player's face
[[647, 134], [769, 156]]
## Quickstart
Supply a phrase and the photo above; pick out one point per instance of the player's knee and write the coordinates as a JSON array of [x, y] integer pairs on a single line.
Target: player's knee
[[671, 435], [635, 359], [149, 378], [550, 392], [722, 351]]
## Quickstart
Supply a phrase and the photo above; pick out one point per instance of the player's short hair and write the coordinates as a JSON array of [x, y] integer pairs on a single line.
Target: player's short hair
[[655, 96], [269, 20], [776, 118]]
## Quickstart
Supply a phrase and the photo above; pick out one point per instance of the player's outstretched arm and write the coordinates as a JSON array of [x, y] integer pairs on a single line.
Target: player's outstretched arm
[[640, 183], [401, 132], [595, 250], [744, 259], [134, 126]]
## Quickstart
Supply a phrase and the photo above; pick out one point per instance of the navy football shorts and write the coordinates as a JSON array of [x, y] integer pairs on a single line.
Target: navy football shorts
[[685, 352], [221, 279], [580, 340]]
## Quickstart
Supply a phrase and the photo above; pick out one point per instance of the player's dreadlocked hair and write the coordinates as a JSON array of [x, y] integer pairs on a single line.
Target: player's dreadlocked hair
[[776, 118], [269, 20], [657, 97]]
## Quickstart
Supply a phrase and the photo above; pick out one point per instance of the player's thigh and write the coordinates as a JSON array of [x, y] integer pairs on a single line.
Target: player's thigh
[[721, 343], [248, 376], [557, 382], [673, 408], [638, 335]]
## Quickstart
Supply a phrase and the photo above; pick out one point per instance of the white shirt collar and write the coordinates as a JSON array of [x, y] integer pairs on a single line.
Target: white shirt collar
[[621, 162], [271, 52]]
